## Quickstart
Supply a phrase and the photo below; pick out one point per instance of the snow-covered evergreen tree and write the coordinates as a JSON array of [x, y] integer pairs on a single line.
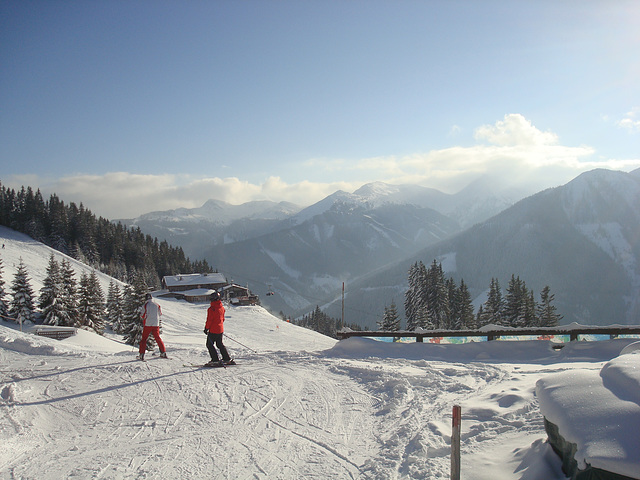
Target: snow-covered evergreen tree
[[437, 297], [455, 321], [51, 298], [480, 317], [391, 320], [460, 306], [423, 318], [423, 314], [547, 314], [530, 318], [133, 300], [467, 318], [91, 303], [114, 308], [69, 299], [412, 297], [520, 305], [21, 308], [493, 308], [4, 307]]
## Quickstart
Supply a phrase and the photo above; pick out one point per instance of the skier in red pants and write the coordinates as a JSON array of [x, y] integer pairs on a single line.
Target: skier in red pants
[[150, 313]]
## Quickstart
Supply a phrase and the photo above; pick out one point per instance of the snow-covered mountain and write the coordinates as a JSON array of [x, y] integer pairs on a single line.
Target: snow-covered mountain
[[582, 239], [216, 222], [478, 201], [306, 263], [195, 229], [222, 213]]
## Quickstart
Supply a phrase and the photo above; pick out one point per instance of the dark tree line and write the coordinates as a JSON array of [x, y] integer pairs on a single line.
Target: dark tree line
[[111, 248], [518, 307], [323, 323], [433, 302]]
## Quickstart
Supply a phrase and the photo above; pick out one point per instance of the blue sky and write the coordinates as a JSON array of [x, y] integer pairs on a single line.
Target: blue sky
[[137, 106]]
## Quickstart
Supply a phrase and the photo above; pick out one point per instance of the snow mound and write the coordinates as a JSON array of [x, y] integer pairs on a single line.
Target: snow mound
[[599, 412]]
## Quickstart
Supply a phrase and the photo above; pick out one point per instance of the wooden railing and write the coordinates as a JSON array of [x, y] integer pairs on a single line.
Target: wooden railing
[[573, 331]]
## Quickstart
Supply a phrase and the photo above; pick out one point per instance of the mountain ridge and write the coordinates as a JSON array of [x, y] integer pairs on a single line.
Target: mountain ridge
[[592, 268]]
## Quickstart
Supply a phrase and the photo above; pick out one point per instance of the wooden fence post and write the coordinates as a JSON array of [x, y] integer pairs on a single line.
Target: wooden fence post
[[455, 443]]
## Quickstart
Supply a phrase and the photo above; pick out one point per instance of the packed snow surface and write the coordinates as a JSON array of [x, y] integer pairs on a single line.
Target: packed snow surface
[[297, 405]]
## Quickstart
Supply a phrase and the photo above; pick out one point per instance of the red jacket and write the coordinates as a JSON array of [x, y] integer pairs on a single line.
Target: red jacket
[[215, 317]]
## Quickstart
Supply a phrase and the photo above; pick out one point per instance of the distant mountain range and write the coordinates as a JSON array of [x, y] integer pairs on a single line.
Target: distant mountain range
[[216, 222], [581, 239]]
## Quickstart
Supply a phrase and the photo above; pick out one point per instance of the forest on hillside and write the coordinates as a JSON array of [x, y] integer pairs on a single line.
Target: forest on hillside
[[114, 249]]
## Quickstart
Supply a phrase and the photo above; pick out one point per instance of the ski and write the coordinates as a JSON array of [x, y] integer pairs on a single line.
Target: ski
[[199, 365]]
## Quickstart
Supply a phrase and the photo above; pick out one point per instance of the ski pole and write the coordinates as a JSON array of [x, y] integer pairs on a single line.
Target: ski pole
[[239, 343]]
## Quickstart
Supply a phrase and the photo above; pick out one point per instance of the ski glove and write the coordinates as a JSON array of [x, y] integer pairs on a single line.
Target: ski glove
[[206, 331]]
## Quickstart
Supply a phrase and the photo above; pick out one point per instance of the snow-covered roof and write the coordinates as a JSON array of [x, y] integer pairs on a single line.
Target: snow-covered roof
[[198, 292], [194, 279]]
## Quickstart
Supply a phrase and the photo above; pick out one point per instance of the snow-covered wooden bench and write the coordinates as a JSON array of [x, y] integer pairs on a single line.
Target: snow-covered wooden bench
[[59, 333]]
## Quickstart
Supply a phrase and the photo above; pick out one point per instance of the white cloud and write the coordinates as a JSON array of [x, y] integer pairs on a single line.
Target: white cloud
[[515, 130], [631, 121], [125, 195], [455, 131], [512, 147]]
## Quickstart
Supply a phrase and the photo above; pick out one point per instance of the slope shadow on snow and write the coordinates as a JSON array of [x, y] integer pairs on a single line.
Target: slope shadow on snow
[[96, 391]]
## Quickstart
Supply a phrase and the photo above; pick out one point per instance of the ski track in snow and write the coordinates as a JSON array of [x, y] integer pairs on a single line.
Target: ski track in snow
[[107, 416]]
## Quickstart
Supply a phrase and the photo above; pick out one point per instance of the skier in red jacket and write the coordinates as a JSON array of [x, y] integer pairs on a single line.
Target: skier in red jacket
[[214, 329]]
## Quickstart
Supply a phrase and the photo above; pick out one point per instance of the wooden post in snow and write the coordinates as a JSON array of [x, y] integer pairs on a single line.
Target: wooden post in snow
[[455, 443]]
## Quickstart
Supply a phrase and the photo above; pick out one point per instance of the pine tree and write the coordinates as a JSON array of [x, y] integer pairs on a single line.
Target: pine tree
[[91, 303], [51, 298], [547, 316], [423, 314], [69, 311], [530, 318], [455, 308], [467, 318], [493, 308], [480, 317], [58, 224], [4, 307], [114, 308], [21, 308], [423, 318], [437, 297], [520, 306], [514, 302], [133, 300], [413, 296], [391, 320]]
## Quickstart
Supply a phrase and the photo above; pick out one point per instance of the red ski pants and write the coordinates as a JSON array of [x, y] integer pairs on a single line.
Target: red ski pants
[[155, 331]]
